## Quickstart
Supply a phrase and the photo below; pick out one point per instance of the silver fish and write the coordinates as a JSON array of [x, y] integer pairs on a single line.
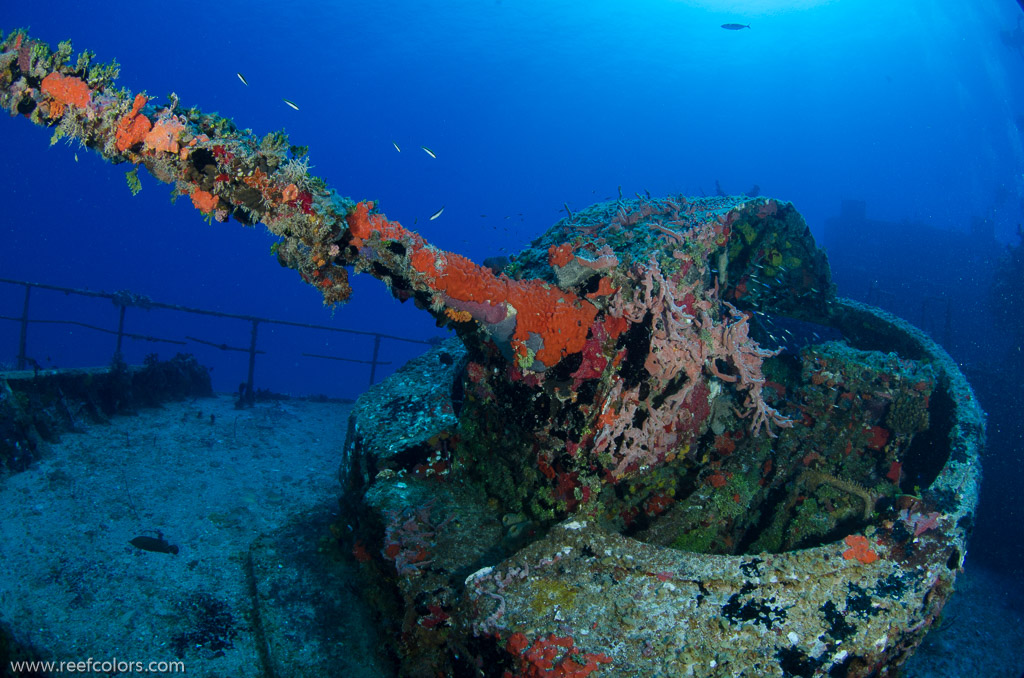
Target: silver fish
[[428, 152], [396, 147], [291, 104], [242, 78], [436, 214]]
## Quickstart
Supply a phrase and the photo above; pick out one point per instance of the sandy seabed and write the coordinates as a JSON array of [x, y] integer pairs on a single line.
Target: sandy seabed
[[201, 475]]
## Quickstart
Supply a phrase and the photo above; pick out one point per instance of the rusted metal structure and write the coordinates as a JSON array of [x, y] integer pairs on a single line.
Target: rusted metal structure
[[660, 445]]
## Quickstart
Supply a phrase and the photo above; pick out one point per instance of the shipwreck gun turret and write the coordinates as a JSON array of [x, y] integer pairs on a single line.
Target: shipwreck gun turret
[[658, 439]]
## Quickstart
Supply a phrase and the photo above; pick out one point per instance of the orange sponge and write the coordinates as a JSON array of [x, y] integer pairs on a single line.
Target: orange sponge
[[132, 128], [67, 89]]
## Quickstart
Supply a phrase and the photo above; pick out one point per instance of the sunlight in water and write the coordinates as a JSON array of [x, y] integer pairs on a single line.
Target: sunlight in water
[[755, 7]]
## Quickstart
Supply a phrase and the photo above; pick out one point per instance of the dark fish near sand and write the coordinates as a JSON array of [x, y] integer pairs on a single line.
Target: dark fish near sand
[[154, 544], [735, 27]]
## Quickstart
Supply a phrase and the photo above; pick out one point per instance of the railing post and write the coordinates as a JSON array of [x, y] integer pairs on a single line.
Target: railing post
[[23, 335], [373, 360], [250, 388], [120, 330]]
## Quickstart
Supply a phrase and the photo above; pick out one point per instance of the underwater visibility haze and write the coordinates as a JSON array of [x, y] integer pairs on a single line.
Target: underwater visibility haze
[[714, 314]]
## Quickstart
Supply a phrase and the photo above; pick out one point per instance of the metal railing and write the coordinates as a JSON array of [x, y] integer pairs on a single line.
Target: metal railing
[[124, 300]]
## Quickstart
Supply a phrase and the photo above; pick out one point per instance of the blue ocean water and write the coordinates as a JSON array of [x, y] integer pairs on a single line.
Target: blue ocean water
[[530, 106]]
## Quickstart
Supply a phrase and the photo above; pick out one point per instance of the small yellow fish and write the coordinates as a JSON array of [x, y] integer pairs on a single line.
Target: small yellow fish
[[242, 78], [76, 157], [291, 104], [436, 214], [428, 152], [396, 147]]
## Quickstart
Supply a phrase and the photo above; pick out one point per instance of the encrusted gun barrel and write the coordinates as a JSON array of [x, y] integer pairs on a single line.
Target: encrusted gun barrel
[[660, 444]]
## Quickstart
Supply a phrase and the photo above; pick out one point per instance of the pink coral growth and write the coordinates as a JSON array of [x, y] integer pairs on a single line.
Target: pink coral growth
[[736, 347], [409, 538], [920, 522], [666, 428], [686, 340]]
